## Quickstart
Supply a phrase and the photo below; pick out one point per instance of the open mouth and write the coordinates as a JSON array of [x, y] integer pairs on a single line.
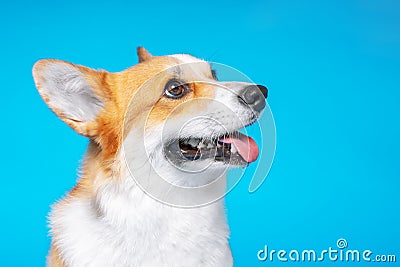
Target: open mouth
[[233, 149]]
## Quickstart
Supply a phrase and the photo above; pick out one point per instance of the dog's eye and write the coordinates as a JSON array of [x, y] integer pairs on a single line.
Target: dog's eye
[[175, 89]]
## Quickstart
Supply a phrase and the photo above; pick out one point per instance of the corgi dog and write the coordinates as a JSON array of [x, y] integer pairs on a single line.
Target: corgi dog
[[161, 136]]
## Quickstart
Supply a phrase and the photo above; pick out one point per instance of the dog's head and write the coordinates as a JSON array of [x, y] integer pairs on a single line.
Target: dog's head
[[169, 109]]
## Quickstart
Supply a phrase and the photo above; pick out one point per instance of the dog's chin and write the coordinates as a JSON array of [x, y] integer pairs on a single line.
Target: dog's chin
[[234, 149]]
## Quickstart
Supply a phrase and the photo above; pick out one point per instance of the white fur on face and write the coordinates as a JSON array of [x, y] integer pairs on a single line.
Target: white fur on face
[[185, 58], [224, 112], [221, 114], [68, 91]]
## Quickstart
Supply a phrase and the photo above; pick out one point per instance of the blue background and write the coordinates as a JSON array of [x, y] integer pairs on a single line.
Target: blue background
[[333, 73]]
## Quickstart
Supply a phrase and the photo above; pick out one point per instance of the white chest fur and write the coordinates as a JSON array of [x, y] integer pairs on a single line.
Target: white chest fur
[[122, 226]]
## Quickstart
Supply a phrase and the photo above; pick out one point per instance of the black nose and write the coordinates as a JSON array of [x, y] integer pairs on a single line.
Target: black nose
[[254, 96]]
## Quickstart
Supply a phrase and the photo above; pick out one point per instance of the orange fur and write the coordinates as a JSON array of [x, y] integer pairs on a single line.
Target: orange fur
[[143, 54], [117, 90], [54, 257]]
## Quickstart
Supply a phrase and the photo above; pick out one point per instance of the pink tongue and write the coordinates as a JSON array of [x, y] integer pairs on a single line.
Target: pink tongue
[[245, 145]]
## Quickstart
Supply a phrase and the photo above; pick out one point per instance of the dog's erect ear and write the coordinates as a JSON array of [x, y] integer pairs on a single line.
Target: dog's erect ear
[[75, 93], [143, 54]]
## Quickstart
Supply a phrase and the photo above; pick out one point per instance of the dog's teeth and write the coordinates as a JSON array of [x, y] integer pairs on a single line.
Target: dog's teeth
[[193, 142], [201, 145], [233, 149]]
